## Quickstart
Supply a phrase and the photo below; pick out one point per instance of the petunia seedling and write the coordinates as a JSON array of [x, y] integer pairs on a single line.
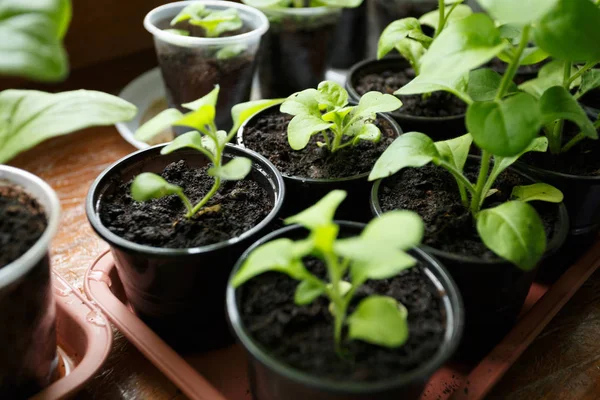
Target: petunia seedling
[[214, 22], [205, 138], [326, 111], [378, 253], [302, 3]]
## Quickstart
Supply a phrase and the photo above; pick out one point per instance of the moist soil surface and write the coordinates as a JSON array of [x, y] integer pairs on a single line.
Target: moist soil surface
[[267, 135], [438, 104], [239, 207], [582, 159], [302, 337], [22, 223], [432, 193]]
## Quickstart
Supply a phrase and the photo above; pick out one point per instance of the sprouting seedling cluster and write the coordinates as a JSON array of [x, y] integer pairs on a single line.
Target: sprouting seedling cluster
[[302, 3], [214, 22], [378, 253], [326, 111], [406, 35], [205, 138]]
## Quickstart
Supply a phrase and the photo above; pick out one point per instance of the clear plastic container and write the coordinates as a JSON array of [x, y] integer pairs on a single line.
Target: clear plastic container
[[297, 49], [191, 66]]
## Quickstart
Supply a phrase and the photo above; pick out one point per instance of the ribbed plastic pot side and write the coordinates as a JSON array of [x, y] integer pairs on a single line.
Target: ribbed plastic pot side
[[271, 379], [438, 128], [493, 290], [303, 192], [179, 293], [27, 308]]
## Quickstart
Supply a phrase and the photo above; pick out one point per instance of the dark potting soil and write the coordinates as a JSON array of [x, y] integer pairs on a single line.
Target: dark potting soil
[[22, 223], [267, 135], [302, 337], [438, 104], [161, 222], [591, 99], [582, 159], [432, 193]]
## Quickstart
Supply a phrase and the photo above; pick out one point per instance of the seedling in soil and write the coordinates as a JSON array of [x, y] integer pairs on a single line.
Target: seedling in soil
[[326, 111], [205, 138], [378, 253], [214, 22], [302, 3]]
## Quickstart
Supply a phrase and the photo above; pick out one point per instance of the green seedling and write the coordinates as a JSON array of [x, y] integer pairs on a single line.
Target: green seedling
[[271, 4], [378, 253], [214, 22], [326, 111], [205, 138]]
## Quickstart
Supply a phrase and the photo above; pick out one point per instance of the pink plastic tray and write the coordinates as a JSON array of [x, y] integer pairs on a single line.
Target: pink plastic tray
[[221, 374], [84, 341]]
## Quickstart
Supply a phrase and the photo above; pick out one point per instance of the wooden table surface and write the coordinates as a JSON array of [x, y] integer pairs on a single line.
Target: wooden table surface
[[562, 363]]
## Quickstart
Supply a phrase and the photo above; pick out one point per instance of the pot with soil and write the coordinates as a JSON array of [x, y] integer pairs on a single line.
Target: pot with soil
[[296, 51], [350, 37], [493, 289], [29, 215], [440, 114], [291, 347], [314, 171], [194, 59], [174, 268]]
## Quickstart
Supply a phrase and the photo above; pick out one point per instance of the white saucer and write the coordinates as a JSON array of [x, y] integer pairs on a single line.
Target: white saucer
[[147, 93]]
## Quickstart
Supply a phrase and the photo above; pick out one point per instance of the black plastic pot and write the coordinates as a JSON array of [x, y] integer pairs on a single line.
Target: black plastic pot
[[301, 192], [296, 51], [350, 37], [438, 128], [27, 310], [493, 291], [191, 66], [270, 379], [180, 293]]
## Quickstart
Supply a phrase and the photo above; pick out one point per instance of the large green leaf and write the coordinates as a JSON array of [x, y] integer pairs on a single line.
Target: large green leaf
[[515, 232], [32, 33], [505, 127], [463, 46], [557, 103], [379, 320], [570, 31], [399, 229], [413, 149], [321, 214], [28, 117], [428, 83], [521, 12]]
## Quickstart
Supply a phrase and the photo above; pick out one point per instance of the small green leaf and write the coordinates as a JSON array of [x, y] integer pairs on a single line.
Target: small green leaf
[[517, 11], [218, 22], [400, 229], [550, 75], [379, 320], [463, 46], [199, 119], [432, 18], [537, 191], [234, 170], [194, 10], [484, 83], [263, 3], [557, 103], [332, 95], [505, 127], [413, 51], [208, 142], [569, 31], [515, 232], [320, 214], [455, 151], [164, 120], [147, 186], [242, 112], [589, 81], [28, 117], [180, 32], [413, 149], [374, 102], [323, 237], [396, 32], [192, 140], [231, 51], [304, 102], [427, 84], [368, 132], [302, 127], [308, 291], [209, 99], [279, 255]]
